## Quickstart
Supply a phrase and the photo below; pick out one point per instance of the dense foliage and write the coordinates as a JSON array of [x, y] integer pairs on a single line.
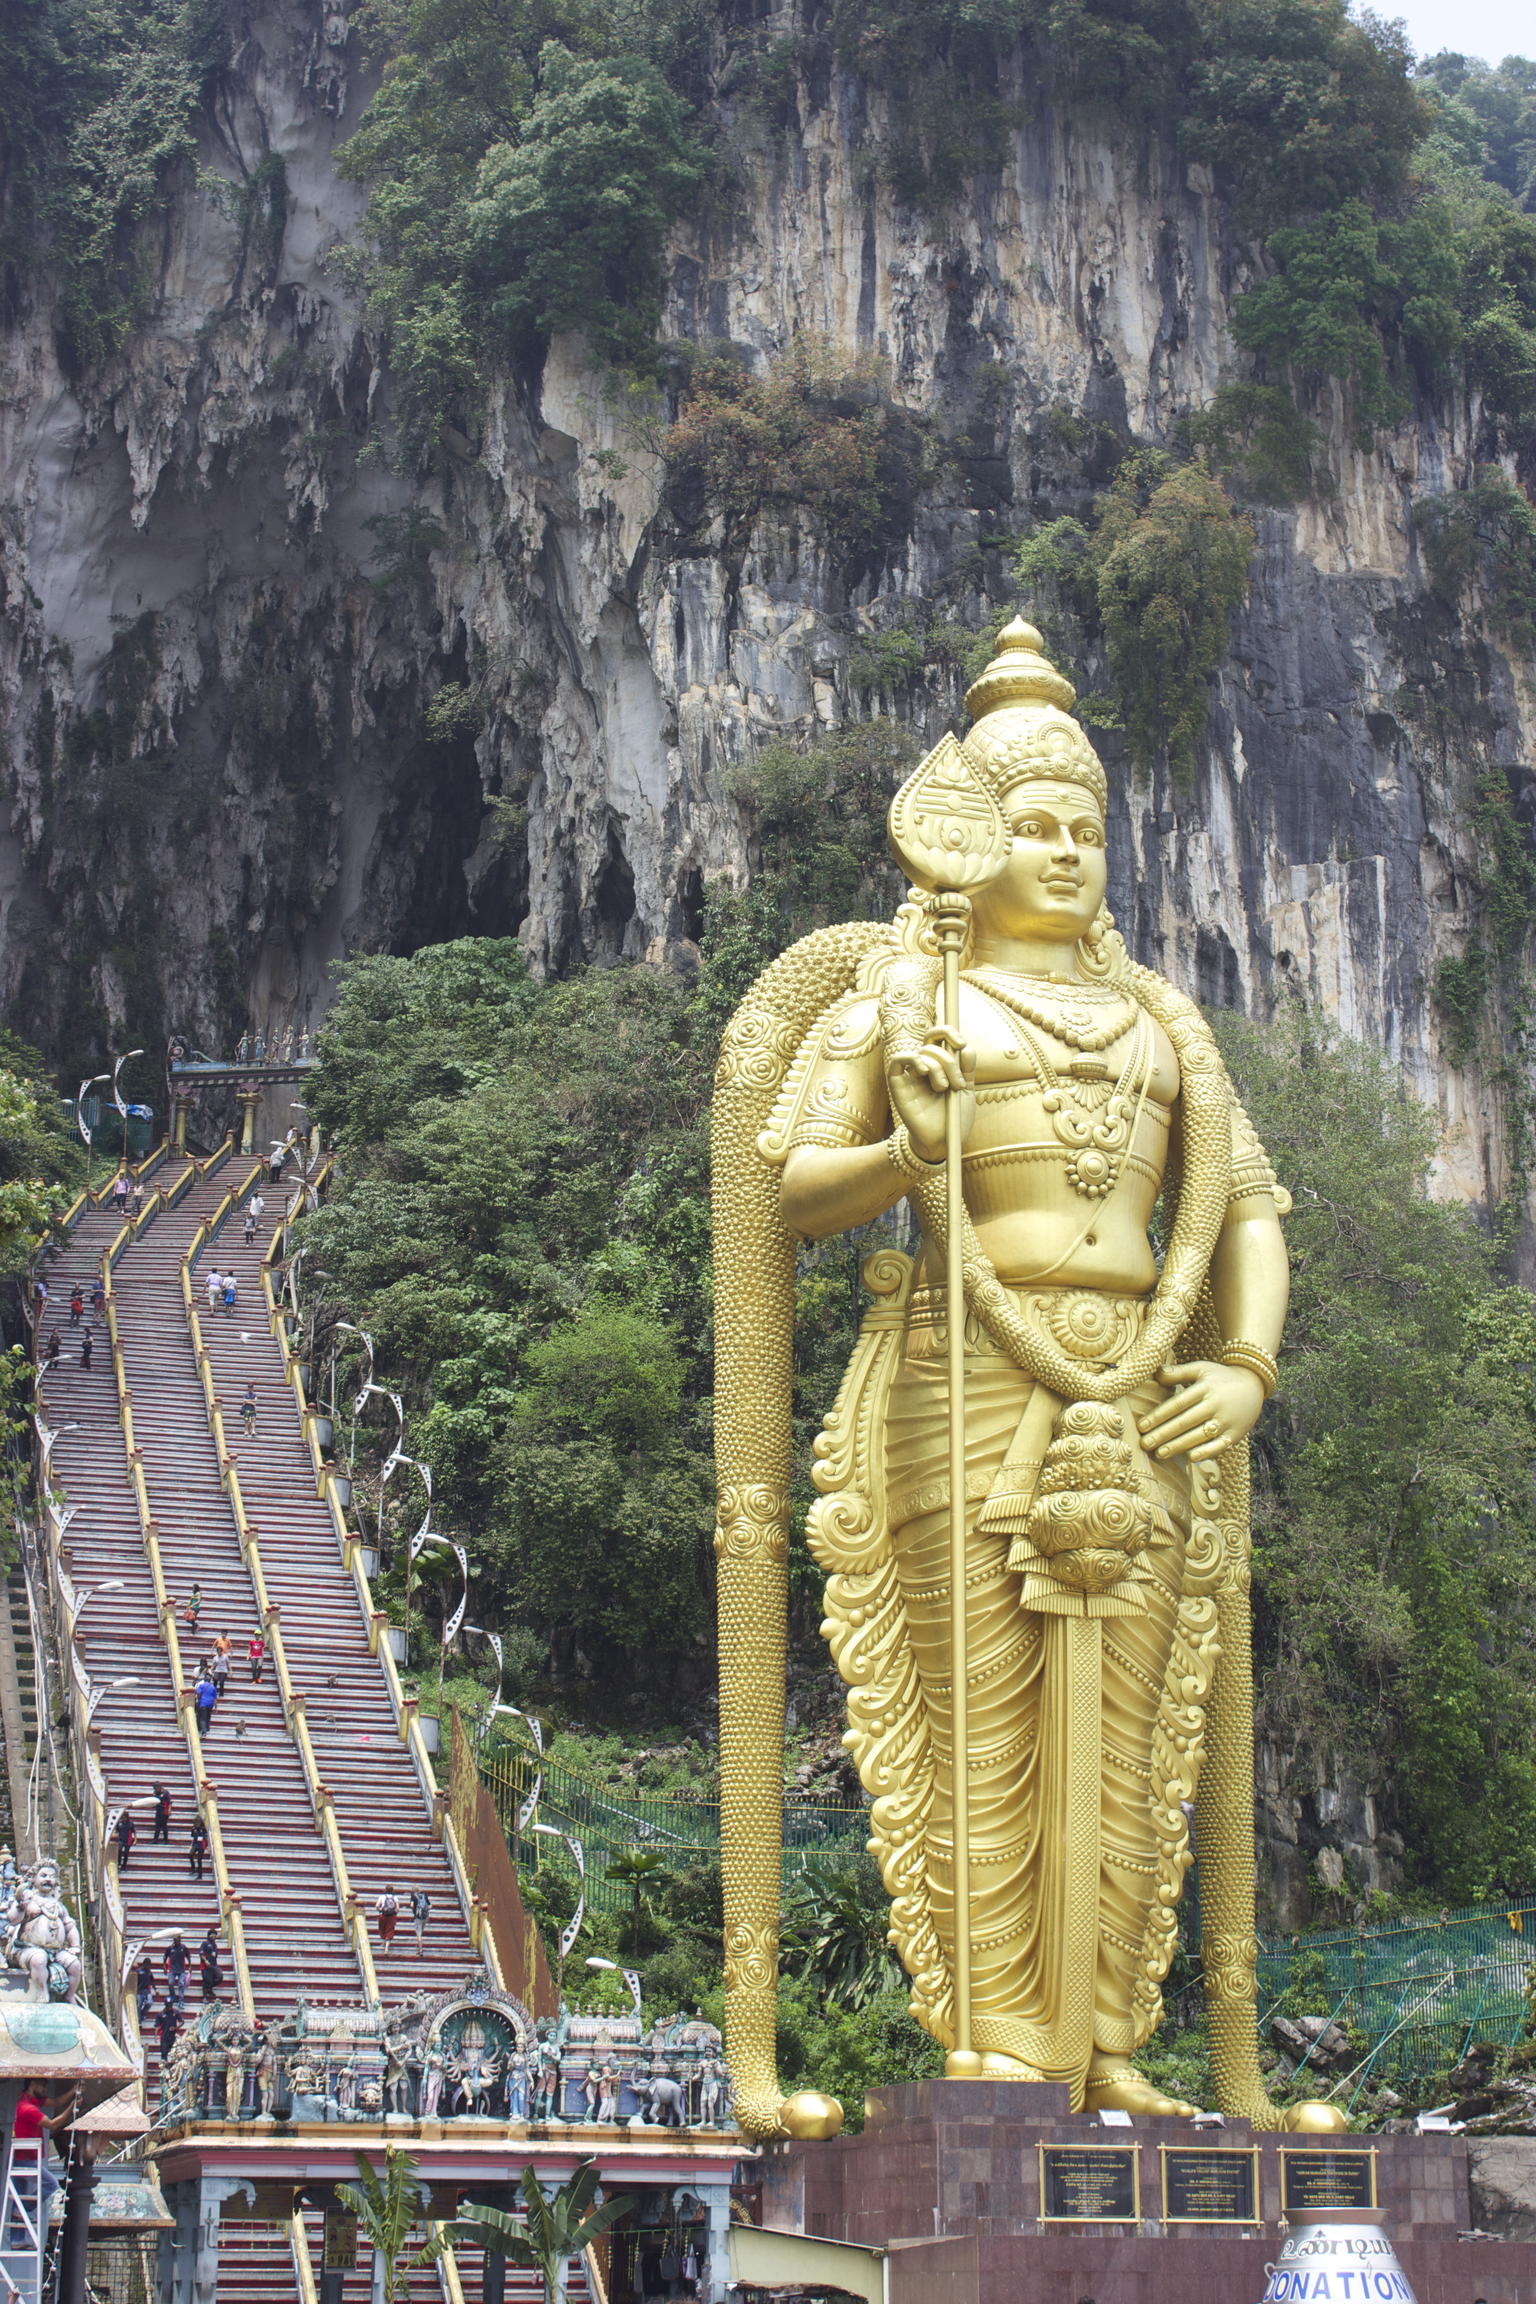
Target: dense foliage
[[1158, 575], [526, 158], [1395, 1532], [814, 436]]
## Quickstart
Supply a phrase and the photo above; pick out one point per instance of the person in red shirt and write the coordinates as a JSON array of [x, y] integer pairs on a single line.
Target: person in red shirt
[[257, 1652]]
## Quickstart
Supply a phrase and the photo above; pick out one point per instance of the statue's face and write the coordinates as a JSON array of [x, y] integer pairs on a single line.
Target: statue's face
[[1053, 883]]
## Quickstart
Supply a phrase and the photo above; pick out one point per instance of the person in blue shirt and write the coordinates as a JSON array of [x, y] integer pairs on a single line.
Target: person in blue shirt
[[207, 1695]]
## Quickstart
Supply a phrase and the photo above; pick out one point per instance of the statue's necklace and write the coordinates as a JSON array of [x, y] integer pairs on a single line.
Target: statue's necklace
[[1094, 1118], [1088, 1017]]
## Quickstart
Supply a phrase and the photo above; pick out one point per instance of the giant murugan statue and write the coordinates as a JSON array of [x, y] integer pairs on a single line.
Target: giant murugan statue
[[1034, 1521]]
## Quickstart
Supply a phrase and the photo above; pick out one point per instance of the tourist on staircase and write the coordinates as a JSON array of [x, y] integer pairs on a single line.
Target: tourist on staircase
[[144, 1989], [176, 1969], [256, 1654], [126, 1836], [388, 1912], [76, 1303], [85, 1350], [51, 1357], [208, 1964], [248, 1412], [197, 1849], [170, 2025], [215, 1288], [98, 1299], [162, 1829], [230, 1293], [121, 1185], [421, 1912], [205, 1698], [194, 1607]]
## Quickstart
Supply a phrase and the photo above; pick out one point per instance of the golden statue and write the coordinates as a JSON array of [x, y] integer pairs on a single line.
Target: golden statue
[[1034, 1523]]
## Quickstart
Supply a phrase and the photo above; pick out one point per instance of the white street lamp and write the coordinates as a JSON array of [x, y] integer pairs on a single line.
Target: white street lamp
[[130, 1680]]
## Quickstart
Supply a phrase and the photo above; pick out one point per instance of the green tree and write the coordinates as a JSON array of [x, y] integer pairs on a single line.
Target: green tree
[[558, 2222], [1394, 1529], [837, 1922], [1171, 559], [636, 1869]]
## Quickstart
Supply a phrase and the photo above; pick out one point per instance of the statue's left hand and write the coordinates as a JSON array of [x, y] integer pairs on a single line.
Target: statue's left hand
[[1211, 1406]]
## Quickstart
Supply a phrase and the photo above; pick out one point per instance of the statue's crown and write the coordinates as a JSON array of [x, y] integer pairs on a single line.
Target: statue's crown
[[1022, 731]]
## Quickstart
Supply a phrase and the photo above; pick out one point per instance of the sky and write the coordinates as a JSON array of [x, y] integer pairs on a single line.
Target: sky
[[1492, 29]]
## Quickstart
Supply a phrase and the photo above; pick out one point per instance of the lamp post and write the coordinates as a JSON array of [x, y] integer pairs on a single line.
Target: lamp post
[[107, 1584], [572, 1928], [112, 1688], [594, 1960], [87, 1133], [117, 1095]]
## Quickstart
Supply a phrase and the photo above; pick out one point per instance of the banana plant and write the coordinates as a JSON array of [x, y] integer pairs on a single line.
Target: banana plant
[[556, 2225]]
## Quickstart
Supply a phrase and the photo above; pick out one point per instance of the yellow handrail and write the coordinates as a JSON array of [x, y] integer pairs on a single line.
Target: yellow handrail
[[229, 1902], [447, 2263], [303, 2265]]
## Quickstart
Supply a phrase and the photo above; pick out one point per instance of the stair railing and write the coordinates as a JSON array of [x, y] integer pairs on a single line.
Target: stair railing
[[295, 1717], [232, 1916], [303, 2262], [474, 1908], [448, 2279]]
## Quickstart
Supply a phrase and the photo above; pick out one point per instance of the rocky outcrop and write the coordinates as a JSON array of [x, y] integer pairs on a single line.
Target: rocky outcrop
[[1327, 1843], [267, 699]]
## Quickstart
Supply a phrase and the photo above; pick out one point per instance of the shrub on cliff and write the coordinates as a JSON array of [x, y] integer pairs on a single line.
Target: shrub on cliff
[[524, 160]]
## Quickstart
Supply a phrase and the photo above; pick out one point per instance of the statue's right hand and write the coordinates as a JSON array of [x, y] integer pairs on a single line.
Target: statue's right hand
[[921, 1083]]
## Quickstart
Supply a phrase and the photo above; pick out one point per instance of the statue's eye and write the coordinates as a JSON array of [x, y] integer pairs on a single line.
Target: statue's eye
[[1090, 836], [1028, 828]]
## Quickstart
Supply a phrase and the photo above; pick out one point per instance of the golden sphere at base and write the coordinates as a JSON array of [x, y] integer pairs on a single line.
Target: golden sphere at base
[[809, 2116], [1315, 2120], [962, 2064]]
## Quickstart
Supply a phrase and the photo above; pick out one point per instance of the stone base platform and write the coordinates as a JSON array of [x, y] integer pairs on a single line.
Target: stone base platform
[[947, 2176]]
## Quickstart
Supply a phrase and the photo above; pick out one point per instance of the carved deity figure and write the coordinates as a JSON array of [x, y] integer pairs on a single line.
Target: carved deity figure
[[1091, 1422], [264, 2065], [44, 1942], [432, 2084], [517, 2086]]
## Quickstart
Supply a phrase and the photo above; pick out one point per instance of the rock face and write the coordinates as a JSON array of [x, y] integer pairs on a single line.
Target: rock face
[[224, 623]]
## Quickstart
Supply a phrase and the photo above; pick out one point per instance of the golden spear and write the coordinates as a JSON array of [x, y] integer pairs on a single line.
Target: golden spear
[[949, 835]]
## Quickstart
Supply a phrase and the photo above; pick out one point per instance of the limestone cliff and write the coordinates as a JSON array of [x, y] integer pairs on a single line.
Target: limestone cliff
[[216, 672]]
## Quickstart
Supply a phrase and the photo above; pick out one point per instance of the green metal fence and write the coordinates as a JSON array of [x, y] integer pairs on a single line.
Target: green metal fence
[[1416, 1994], [682, 1826]]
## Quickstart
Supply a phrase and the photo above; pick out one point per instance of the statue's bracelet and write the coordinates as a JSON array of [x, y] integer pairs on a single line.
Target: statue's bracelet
[[905, 1158], [1255, 1359]]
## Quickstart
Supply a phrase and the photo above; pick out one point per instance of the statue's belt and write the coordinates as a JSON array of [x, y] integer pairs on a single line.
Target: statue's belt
[[1075, 1493]]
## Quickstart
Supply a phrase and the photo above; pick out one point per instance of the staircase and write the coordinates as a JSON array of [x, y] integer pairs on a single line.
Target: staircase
[[384, 1826], [265, 1806]]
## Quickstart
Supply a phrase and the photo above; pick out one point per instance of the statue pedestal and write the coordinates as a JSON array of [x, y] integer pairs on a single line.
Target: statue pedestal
[[948, 2175]]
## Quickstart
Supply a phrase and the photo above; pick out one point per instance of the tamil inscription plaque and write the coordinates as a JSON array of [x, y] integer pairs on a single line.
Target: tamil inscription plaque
[[1210, 2184], [1326, 2179], [1089, 2184]]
